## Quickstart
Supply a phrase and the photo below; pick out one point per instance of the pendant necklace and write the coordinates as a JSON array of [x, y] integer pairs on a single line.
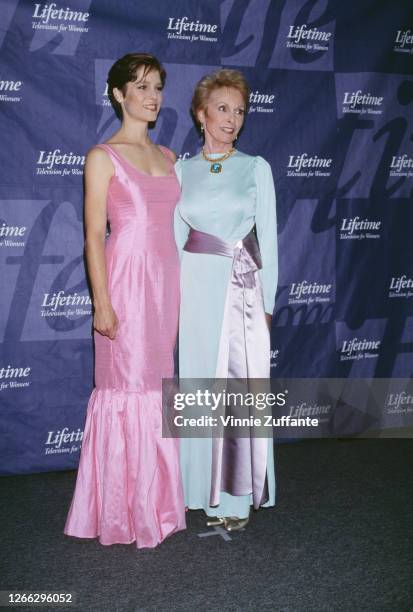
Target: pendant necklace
[[216, 164]]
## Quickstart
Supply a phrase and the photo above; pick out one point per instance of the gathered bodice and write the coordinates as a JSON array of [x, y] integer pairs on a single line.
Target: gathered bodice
[[139, 202]]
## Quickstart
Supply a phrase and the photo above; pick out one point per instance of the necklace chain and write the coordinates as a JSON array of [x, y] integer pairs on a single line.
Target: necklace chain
[[217, 160]]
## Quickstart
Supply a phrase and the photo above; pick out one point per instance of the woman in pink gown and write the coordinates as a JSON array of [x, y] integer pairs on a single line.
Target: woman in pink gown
[[128, 485]]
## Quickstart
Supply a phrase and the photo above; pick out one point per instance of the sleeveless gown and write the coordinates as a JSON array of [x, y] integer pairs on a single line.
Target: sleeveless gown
[[128, 485]]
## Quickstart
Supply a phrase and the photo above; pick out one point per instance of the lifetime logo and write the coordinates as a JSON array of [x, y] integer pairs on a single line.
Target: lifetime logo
[[306, 288], [297, 162], [105, 96], [182, 24], [357, 224], [10, 372], [258, 98], [60, 299], [50, 12], [57, 438], [260, 102], [303, 32], [10, 85], [399, 162], [10, 375], [404, 37], [358, 98], [401, 282], [355, 345], [395, 400], [9, 231], [304, 410], [57, 158]]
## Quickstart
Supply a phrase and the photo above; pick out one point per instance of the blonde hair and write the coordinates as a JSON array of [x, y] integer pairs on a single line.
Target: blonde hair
[[225, 77]]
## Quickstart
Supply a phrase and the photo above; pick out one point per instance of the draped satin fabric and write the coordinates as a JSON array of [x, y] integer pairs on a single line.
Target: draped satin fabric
[[239, 464]]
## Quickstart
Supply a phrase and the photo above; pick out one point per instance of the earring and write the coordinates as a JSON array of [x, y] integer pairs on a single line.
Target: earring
[[202, 127]]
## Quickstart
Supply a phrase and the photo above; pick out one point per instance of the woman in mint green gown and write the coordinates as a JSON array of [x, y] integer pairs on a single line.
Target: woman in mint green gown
[[224, 200]]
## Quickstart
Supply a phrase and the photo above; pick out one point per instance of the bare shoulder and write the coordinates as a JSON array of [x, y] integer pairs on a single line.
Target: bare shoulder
[[98, 160], [168, 152]]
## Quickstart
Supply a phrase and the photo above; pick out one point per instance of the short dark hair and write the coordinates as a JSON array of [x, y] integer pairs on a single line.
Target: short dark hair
[[124, 71]]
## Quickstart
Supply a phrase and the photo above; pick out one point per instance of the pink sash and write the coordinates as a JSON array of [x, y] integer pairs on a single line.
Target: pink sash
[[239, 465]]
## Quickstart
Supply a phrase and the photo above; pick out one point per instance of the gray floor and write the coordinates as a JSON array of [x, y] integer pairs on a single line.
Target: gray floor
[[340, 538]]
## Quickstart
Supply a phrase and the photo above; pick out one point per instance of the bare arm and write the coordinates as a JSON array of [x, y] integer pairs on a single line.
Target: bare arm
[[98, 172]]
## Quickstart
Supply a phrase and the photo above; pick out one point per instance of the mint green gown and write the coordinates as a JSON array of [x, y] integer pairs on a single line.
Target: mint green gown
[[226, 205]]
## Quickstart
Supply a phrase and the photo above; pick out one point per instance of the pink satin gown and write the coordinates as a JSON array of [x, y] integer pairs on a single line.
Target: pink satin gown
[[128, 485]]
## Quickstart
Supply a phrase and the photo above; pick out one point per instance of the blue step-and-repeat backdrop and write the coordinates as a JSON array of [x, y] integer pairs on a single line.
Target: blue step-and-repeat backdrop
[[331, 109]]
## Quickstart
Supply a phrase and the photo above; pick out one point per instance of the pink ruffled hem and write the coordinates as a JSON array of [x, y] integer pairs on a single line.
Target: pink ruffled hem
[[128, 485]]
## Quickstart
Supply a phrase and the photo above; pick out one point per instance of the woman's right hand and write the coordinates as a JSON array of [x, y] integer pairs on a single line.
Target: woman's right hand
[[105, 321]]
